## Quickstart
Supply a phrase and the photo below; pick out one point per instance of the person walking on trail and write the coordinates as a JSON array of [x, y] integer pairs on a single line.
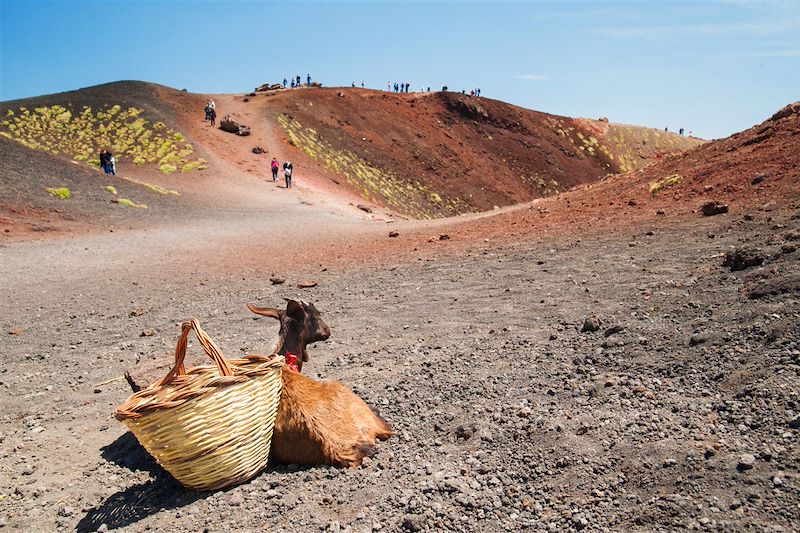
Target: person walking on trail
[[275, 166], [211, 112], [287, 174]]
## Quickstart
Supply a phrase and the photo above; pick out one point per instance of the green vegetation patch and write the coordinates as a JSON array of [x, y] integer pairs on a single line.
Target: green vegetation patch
[[111, 189], [59, 192], [669, 181], [83, 133]]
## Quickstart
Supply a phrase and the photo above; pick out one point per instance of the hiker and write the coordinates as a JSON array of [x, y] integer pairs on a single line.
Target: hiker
[[292, 83], [362, 84], [104, 160], [298, 81], [107, 162], [287, 174], [680, 131], [308, 80], [284, 83], [211, 112], [275, 165], [353, 84]]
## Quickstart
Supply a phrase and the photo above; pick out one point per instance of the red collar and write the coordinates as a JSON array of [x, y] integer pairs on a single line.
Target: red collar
[[291, 361]]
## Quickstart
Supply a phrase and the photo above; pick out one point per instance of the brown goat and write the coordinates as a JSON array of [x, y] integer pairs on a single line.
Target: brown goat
[[318, 422]]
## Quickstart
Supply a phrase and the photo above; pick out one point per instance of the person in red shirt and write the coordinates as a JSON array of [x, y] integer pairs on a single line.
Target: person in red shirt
[[275, 167]]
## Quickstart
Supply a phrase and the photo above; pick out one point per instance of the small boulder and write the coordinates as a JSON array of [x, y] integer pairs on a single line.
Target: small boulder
[[743, 258], [258, 150], [709, 209], [590, 324], [394, 234], [277, 281], [231, 124]]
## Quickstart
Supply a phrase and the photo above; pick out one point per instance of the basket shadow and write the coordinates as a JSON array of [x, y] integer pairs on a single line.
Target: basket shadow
[[128, 453], [140, 501], [136, 503]]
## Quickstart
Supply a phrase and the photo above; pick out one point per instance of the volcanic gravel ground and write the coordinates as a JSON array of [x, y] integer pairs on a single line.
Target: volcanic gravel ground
[[679, 412]]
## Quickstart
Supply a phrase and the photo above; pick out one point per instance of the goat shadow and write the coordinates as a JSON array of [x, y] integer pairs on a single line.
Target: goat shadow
[[128, 506]]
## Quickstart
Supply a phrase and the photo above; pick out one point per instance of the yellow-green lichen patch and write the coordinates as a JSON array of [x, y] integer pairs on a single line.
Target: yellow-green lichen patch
[[83, 133], [376, 184], [59, 192], [154, 188], [111, 189], [661, 184], [130, 203]]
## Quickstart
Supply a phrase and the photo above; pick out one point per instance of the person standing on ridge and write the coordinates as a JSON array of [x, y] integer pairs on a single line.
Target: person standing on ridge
[[284, 82], [308, 80], [287, 174], [275, 165], [298, 80]]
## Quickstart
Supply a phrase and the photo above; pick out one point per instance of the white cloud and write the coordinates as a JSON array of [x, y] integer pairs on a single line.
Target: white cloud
[[535, 77]]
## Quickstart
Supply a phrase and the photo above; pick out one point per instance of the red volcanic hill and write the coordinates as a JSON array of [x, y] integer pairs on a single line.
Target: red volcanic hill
[[444, 153], [422, 155]]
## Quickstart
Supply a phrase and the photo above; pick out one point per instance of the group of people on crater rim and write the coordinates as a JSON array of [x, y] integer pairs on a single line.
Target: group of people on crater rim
[[295, 82]]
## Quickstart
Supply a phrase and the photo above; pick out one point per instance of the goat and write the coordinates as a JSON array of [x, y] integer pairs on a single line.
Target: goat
[[318, 422]]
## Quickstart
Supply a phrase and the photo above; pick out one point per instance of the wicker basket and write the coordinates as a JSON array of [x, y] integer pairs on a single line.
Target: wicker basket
[[209, 427]]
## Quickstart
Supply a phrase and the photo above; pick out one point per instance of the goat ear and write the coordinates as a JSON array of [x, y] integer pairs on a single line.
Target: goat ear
[[295, 310], [265, 311]]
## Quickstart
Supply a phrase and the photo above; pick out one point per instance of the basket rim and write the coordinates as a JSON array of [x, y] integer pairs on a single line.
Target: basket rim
[[180, 385]]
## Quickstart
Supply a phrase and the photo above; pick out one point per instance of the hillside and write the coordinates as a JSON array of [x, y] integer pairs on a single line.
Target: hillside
[[443, 153], [754, 170], [419, 155]]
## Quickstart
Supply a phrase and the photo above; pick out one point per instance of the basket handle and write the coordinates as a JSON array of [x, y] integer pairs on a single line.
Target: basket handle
[[209, 346]]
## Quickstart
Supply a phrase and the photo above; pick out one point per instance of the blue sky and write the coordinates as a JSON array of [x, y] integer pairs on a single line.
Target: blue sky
[[710, 67]]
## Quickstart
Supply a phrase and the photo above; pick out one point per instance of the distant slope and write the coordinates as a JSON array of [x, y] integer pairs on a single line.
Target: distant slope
[[444, 153], [754, 170]]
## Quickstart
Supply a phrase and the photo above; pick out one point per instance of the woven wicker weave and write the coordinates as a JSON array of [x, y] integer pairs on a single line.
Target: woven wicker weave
[[210, 427]]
